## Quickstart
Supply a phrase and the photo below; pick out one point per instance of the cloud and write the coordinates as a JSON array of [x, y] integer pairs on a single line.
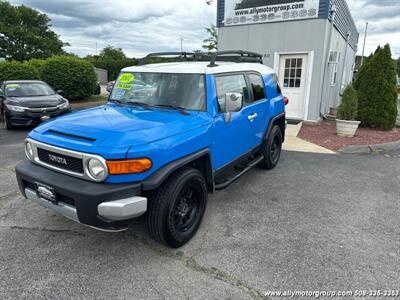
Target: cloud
[[142, 26], [383, 17], [136, 26]]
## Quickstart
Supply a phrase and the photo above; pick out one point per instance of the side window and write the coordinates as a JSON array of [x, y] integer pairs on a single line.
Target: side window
[[257, 85], [231, 84], [278, 87]]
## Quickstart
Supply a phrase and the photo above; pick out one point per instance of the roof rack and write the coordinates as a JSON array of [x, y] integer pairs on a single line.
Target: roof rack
[[238, 56], [184, 56]]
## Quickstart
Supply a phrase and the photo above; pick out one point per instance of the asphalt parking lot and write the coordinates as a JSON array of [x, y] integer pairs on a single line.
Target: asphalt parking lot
[[316, 222]]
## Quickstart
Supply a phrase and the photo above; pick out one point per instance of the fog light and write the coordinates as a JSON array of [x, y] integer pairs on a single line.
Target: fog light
[[28, 150], [97, 169]]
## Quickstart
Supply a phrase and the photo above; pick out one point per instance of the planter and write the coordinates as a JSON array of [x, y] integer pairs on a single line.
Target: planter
[[346, 128]]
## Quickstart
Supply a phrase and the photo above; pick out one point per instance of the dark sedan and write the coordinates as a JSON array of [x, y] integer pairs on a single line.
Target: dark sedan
[[29, 102]]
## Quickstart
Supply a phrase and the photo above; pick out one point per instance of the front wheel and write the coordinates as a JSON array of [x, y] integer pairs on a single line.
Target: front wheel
[[6, 122], [271, 149], [175, 210]]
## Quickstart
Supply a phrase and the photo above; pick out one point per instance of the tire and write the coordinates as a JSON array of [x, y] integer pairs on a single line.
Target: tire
[[175, 209], [271, 149], [7, 125]]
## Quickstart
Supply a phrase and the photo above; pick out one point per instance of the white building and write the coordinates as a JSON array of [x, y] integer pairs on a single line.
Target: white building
[[312, 56]]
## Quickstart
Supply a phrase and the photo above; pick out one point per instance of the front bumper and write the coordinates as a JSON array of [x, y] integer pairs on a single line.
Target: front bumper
[[101, 205], [31, 118]]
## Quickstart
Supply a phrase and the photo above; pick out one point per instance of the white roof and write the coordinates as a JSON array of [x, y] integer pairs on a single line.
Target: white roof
[[200, 68]]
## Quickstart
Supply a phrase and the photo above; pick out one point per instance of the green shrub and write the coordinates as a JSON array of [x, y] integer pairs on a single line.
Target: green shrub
[[38, 64], [376, 90], [75, 76], [348, 108], [12, 70]]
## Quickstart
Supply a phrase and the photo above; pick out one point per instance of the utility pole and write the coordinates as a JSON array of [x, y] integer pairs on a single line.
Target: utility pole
[[181, 44], [365, 39]]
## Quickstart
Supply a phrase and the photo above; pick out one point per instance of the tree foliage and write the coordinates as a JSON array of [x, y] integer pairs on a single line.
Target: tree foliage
[[75, 76], [25, 33], [111, 59], [211, 42], [376, 90], [349, 106], [13, 70]]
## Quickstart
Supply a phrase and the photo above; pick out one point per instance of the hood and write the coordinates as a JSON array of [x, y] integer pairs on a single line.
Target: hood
[[120, 126], [34, 102]]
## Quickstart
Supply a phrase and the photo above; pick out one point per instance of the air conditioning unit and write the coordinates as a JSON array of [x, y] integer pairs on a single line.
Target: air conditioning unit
[[334, 57]]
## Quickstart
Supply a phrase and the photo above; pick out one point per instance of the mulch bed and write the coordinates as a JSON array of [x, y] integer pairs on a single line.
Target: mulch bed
[[324, 134]]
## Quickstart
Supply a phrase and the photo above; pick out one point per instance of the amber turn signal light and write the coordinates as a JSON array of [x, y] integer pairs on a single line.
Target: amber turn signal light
[[118, 167]]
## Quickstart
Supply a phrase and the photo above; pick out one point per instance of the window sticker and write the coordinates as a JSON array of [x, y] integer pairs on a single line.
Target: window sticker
[[120, 94], [124, 86], [126, 78], [12, 87]]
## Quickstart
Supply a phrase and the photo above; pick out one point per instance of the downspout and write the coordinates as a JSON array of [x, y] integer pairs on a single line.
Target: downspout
[[333, 13]]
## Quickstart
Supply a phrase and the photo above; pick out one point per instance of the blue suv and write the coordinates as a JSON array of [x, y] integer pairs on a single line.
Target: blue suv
[[170, 133]]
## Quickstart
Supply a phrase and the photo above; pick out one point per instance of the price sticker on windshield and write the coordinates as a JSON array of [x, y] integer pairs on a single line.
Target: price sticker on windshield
[[125, 81]]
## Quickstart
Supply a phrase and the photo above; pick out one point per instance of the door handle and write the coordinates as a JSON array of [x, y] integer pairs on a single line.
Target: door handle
[[252, 117]]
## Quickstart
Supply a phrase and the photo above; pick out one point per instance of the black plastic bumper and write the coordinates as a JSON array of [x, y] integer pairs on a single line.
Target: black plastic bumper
[[31, 119], [84, 195]]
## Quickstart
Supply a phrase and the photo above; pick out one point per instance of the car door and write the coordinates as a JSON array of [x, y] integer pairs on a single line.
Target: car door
[[241, 133]]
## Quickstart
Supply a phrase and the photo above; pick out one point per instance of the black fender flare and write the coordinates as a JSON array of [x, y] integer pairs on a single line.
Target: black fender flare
[[157, 178], [273, 121]]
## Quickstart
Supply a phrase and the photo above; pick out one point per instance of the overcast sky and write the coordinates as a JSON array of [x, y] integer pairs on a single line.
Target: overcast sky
[[142, 26]]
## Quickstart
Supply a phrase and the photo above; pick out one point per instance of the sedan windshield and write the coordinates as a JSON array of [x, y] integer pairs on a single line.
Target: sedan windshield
[[185, 91], [28, 89]]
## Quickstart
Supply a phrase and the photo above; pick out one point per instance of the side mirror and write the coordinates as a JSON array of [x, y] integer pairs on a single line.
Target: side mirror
[[233, 103], [60, 92]]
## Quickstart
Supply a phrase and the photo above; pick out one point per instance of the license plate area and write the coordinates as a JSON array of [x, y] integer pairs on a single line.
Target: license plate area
[[46, 192]]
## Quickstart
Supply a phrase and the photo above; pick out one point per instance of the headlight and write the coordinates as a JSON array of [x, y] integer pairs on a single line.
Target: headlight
[[97, 169], [15, 108], [64, 105], [28, 150]]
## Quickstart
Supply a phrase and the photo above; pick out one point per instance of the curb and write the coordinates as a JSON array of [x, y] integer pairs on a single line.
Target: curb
[[368, 149]]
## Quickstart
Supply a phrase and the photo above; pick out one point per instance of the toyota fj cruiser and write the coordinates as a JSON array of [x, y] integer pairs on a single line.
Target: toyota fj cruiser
[[169, 134]]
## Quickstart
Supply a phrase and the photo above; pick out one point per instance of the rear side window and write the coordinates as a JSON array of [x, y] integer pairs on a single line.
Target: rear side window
[[231, 84], [257, 85], [278, 87]]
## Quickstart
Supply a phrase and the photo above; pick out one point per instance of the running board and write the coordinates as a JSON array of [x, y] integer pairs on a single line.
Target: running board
[[229, 181]]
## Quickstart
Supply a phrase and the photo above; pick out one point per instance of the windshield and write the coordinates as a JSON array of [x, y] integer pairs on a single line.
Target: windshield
[[31, 89], [160, 89]]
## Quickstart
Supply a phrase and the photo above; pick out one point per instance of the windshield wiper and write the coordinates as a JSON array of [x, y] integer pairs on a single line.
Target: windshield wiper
[[137, 103], [116, 101], [178, 108]]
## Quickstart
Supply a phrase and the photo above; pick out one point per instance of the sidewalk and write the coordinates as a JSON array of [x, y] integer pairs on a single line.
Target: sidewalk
[[293, 143]]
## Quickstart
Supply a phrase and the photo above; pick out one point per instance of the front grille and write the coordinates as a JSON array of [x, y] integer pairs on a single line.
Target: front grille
[[61, 161]]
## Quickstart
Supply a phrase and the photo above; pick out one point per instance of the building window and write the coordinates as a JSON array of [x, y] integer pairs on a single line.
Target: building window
[[334, 74], [293, 72]]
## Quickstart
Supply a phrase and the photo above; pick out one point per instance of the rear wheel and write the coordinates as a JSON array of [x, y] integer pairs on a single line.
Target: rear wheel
[[175, 210], [271, 149]]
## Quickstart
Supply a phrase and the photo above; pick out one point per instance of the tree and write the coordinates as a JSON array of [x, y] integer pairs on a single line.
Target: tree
[[25, 33], [211, 43], [111, 59], [376, 90], [398, 67], [348, 108]]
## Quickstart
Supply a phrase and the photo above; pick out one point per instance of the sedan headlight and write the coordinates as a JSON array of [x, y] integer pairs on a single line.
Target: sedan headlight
[[15, 108], [64, 105], [29, 150], [97, 169]]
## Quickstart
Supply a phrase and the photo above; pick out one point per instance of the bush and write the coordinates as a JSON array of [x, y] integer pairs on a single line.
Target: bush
[[348, 108], [12, 70], [376, 90], [38, 64], [75, 76]]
